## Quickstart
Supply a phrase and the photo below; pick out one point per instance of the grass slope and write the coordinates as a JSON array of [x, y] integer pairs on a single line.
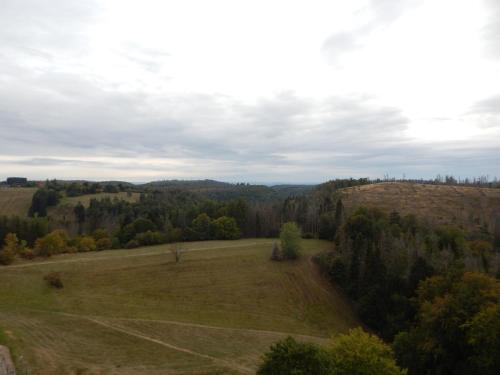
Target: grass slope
[[85, 199], [468, 207], [16, 201], [136, 311]]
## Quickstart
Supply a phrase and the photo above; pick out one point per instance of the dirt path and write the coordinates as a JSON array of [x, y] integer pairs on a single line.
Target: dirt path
[[181, 324], [197, 325], [222, 362], [105, 322], [88, 259], [6, 363]]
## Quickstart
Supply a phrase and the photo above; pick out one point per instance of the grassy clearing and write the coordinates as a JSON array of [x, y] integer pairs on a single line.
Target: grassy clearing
[[468, 207], [85, 199], [16, 201], [136, 311]]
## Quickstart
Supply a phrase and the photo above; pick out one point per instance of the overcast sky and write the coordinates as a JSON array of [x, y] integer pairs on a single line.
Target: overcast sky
[[259, 91]]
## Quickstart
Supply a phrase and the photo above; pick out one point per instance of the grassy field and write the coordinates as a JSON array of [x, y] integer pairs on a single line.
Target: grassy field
[[468, 207], [85, 199], [137, 312], [16, 201]]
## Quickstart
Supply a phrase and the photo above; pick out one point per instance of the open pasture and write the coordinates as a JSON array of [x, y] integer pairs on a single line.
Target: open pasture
[[138, 312]]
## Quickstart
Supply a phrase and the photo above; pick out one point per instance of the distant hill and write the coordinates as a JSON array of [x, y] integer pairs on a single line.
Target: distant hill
[[192, 184], [223, 191], [472, 208]]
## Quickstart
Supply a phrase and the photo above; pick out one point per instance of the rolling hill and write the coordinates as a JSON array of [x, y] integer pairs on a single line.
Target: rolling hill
[[137, 311], [16, 201], [472, 208]]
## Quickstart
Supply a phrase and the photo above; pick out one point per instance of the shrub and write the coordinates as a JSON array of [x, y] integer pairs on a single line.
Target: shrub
[[86, 243], [360, 353], [149, 238], [104, 243], [132, 244], [226, 228], [115, 243], [55, 242], [27, 254], [11, 247], [54, 280], [291, 357], [175, 235], [356, 353], [100, 234], [6, 256], [201, 228]]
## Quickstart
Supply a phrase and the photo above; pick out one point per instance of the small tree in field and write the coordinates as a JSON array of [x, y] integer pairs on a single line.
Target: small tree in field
[[276, 253], [290, 240], [176, 252]]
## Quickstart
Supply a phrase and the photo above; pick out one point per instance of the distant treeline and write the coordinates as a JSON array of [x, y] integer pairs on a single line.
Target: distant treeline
[[481, 181]]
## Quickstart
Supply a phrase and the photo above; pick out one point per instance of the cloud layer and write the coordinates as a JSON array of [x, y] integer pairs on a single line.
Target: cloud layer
[[88, 91]]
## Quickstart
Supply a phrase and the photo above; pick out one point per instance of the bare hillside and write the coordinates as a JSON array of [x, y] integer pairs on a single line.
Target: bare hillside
[[468, 207], [15, 201]]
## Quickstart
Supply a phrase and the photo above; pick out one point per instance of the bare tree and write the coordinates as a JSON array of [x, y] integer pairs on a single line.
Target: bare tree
[[176, 252], [276, 253]]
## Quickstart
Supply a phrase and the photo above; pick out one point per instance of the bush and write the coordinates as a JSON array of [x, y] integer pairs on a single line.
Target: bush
[[27, 254], [175, 235], [115, 243], [149, 238], [226, 228], [54, 280], [11, 247], [291, 357], [201, 228], [132, 244], [290, 240], [356, 353], [86, 243], [100, 234], [140, 225], [55, 242], [360, 353], [104, 243], [6, 256]]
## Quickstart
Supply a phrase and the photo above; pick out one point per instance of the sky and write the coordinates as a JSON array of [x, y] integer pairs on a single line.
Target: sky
[[249, 91]]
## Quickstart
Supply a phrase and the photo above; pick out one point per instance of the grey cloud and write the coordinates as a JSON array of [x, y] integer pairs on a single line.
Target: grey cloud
[[57, 162], [382, 13], [486, 112], [43, 28], [217, 135], [488, 106], [56, 119], [491, 30]]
